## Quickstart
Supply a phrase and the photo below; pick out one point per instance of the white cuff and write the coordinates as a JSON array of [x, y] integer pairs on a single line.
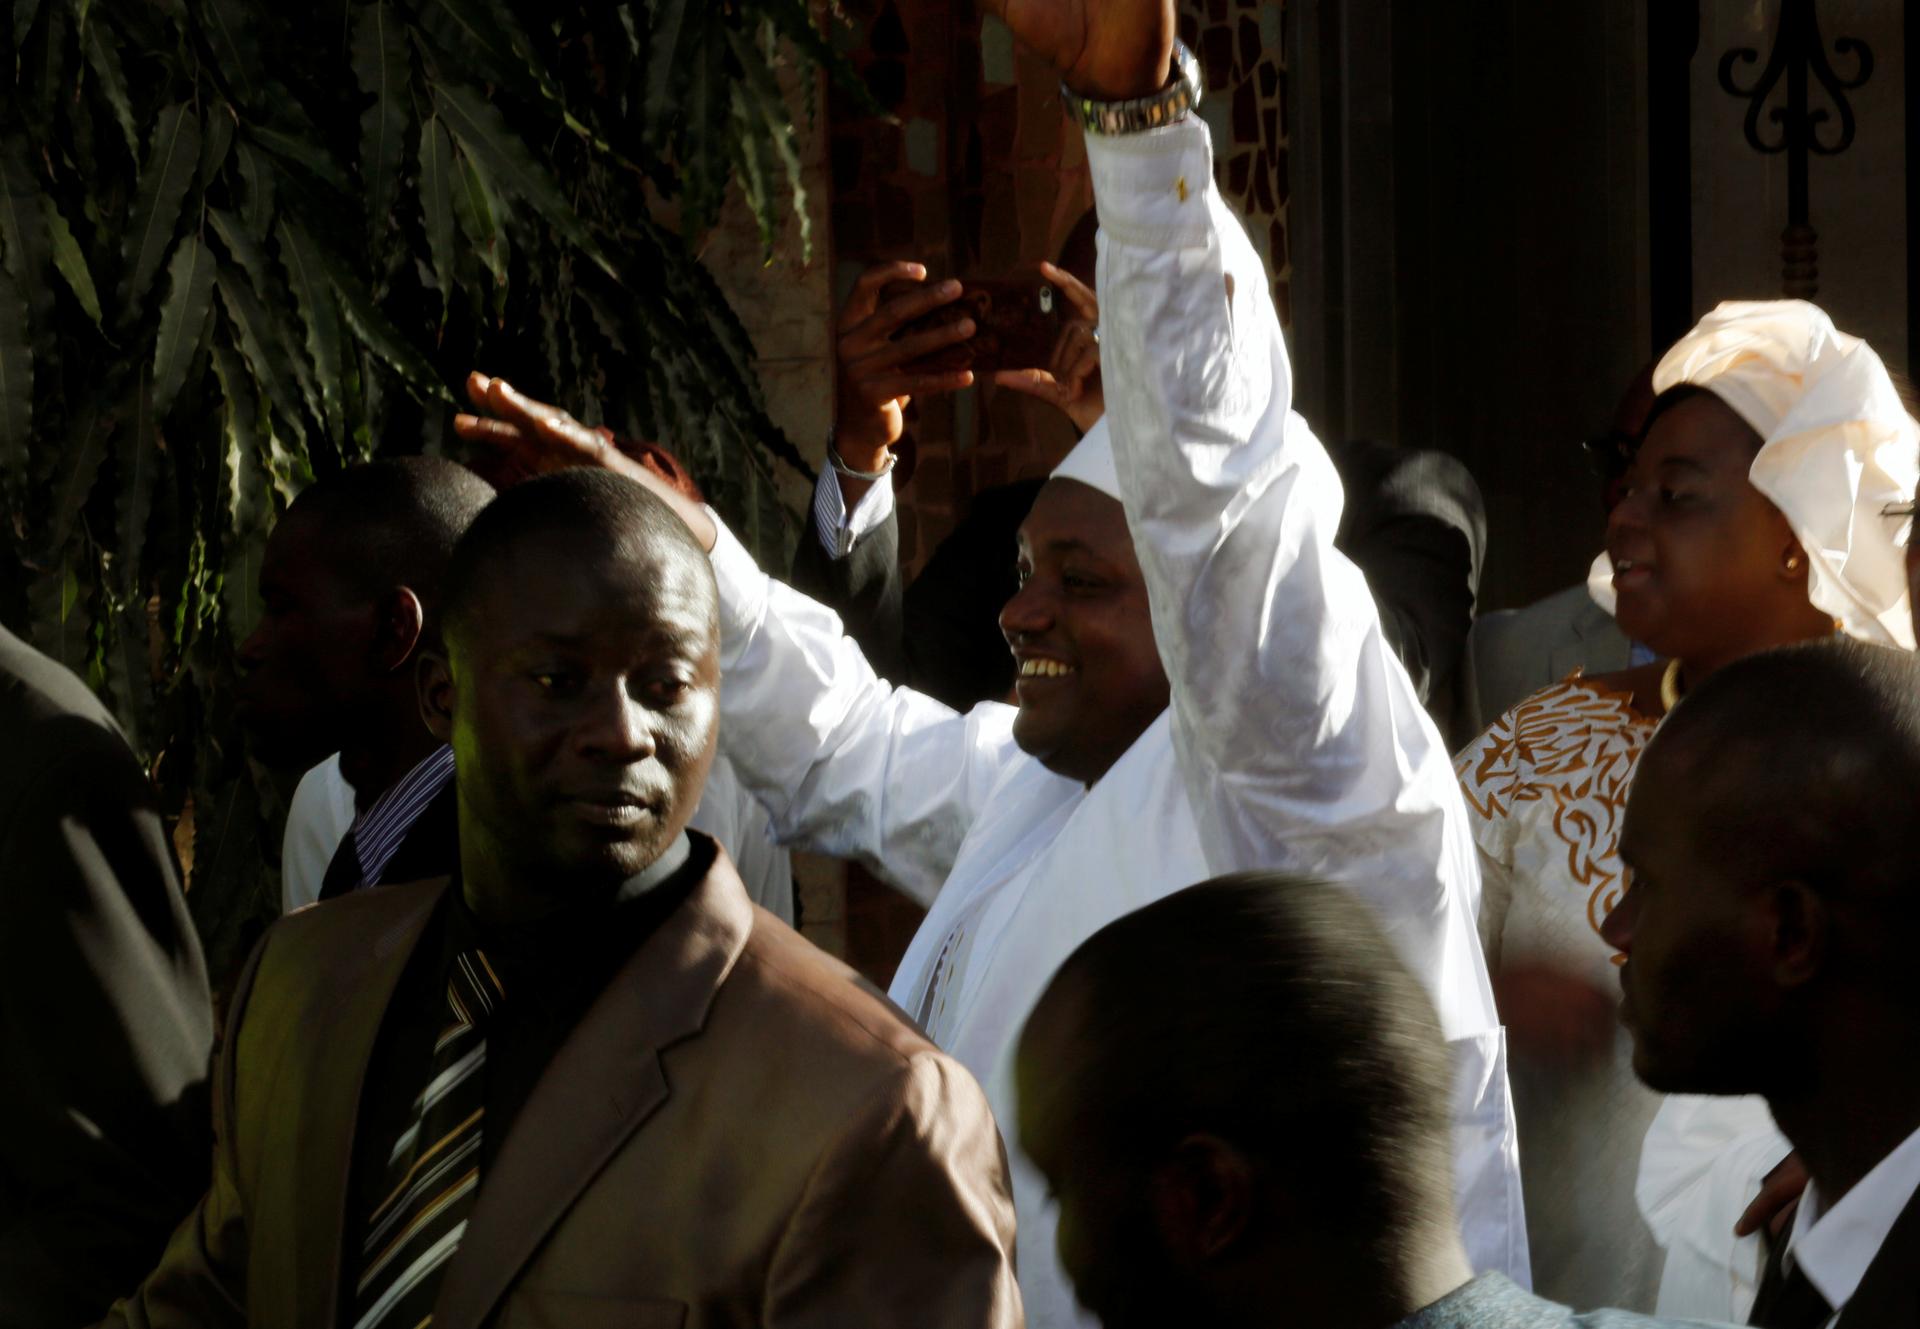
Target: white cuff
[[837, 529], [1151, 188]]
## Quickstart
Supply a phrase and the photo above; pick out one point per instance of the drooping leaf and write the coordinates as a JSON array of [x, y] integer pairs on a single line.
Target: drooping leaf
[[476, 211], [243, 485], [163, 188], [23, 225], [182, 319], [263, 343], [56, 602], [139, 469], [493, 42], [380, 65], [24, 13], [257, 197], [379, 335], [436, 207], [229, 31], [764, 108], [104, 58], [69, 260], [216, 142], [306, 275], [16, 388], [484, 134], [303, 153], [79, 467]]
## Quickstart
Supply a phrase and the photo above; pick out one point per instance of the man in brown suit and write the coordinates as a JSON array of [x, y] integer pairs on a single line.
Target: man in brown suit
[[586, 1082]]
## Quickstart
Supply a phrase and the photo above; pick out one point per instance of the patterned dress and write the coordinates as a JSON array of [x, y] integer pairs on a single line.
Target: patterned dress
[[1546, 791]]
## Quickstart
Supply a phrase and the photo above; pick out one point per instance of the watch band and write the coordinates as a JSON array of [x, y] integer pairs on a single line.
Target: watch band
[[1140, 114]]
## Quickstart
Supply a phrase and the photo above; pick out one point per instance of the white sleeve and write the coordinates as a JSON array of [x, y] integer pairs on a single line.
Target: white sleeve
[[736, 819], [1703, 1162], [317, 821], [839, 530], [1299, 735], [844, 763]]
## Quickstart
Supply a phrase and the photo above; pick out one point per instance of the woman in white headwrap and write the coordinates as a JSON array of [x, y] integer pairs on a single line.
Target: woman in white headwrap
[[1757, 515]]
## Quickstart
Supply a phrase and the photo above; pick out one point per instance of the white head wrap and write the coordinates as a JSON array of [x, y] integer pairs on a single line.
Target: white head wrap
[[1091, 461], [1838, 449]]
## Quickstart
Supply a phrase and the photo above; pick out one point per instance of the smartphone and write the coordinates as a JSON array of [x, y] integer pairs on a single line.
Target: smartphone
[[1016, 320]]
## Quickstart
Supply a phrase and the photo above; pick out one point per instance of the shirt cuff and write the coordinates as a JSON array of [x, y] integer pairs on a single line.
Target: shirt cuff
[[1151, 188], [837, 529]]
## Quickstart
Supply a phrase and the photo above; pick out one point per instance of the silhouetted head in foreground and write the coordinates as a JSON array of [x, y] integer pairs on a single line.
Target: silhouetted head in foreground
[[580, 690], [1240, 1097], [1773, 840]]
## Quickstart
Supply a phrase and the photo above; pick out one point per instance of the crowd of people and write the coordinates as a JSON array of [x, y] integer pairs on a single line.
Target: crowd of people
[[1238, 1000]]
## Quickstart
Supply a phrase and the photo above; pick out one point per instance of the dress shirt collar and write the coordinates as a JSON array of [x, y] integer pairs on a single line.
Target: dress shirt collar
[[1836, 1246], [378, 832], [553, 961]]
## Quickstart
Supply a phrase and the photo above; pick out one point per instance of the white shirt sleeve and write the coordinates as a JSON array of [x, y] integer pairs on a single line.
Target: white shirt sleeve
[[1703, 1162], [317, 821], [839, 530], [1299, 735], [844, 763], [736, 819]]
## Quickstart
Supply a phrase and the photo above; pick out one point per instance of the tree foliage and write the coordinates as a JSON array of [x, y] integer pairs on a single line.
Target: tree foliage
[[244, 245]]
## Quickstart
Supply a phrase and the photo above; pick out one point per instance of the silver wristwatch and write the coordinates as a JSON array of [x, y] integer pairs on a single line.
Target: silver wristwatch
[[1139, 114]]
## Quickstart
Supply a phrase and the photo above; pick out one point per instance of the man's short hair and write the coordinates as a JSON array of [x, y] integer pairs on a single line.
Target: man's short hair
[[1806, 760], [394, 522], [1270, 1011], [603, 514]]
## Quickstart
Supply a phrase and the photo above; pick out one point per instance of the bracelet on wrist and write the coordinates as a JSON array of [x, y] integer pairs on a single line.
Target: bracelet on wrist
[[841, 468], [1139, 114]]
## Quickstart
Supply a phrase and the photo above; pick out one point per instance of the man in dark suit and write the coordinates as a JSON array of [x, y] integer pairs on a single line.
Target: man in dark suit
[[105, 1026], [585, 1082], [1287, 1161], [1770, 930]]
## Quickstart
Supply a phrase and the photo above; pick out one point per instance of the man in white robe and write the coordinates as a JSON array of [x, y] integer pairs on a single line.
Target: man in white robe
[[1292, 740]]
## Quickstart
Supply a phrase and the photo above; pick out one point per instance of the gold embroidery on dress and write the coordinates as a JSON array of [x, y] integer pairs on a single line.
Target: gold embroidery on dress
[[1577, 744]]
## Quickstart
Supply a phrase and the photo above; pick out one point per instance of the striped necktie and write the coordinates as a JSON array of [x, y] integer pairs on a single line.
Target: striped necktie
[[434, 1169]]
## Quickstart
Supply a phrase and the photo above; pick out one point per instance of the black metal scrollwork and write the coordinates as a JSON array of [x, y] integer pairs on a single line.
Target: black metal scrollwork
[[1798, 56]]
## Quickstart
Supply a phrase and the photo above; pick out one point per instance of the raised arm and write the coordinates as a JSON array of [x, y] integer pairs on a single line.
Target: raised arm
[[1299, 734]]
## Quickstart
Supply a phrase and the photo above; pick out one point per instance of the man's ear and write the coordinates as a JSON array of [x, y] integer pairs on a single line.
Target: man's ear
[[433, 683], [1800, 923], [399, 620], [1202, 1199]]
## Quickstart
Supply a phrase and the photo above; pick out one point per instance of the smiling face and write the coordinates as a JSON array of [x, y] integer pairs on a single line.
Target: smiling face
[[1697, 996], [306, 664], [583, 705], [1087, 672], [1699, 555]]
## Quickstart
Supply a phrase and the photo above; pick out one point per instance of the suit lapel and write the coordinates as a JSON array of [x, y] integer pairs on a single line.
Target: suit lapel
[[603, 1083], [329, 1100]]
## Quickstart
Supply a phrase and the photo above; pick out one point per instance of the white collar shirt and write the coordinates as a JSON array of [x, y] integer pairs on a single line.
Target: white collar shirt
[[1835, 1246]]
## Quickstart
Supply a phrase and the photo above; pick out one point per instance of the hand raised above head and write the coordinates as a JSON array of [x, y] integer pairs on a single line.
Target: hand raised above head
[[528, 438], [1111, 50]]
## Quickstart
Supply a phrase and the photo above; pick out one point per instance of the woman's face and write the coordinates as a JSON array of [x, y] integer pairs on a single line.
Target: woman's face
[[1700, 558]]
